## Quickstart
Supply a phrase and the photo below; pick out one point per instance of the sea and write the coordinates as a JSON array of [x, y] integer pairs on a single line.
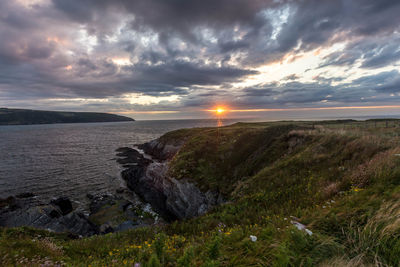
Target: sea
[[72, 160]]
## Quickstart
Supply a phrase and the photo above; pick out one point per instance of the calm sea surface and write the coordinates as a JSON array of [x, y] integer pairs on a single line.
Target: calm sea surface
[[72, 159]]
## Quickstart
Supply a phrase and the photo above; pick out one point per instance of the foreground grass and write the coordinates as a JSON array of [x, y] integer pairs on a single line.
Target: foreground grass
[[340, 179]]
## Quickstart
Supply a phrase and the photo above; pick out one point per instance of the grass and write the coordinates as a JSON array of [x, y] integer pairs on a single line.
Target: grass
[[340, 178]]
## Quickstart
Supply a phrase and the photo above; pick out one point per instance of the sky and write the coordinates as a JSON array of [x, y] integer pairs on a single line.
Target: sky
[[176, 59]]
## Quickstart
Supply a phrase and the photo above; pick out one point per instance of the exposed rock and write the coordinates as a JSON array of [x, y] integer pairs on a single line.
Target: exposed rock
[[105, 229], [301, 226], [129, 156], [149, 189], [49, 217], [9, 204], [126, 226], [295, 140], [64, 204], [161, 150], [25, 195], [171, 198], [100, 201], [120, 190]]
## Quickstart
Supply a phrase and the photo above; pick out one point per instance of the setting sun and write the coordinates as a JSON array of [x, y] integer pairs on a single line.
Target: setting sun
[[220, 110]]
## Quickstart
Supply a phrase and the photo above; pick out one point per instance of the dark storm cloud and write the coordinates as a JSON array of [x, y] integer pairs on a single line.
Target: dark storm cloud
[[316, 21], [373, 52], [69, 49], [176, 15], [366, 89], [288, 93], [382, 82], [186, 74], [382, 56], [311, 22]]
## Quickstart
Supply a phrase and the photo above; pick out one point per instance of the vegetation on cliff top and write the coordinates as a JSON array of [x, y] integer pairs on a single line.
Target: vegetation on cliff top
[[341, 179]]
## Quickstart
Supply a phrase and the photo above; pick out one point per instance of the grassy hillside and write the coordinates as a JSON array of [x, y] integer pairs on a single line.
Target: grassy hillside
[[341, 179], [25, 116]]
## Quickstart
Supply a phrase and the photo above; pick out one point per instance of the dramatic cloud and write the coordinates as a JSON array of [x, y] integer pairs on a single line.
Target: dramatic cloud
[[180, 56]]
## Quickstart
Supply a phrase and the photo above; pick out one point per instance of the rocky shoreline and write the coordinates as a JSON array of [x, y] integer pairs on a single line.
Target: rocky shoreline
[[154, 197], [56, 216]]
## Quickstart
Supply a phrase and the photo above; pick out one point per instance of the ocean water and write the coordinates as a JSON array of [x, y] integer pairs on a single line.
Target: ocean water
[[73, 159]]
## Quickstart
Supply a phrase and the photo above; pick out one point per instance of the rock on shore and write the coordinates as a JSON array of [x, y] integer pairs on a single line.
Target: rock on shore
[[56, 216]]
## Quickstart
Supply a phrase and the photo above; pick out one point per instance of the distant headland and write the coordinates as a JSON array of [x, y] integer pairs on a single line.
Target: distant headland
[[26, 117]]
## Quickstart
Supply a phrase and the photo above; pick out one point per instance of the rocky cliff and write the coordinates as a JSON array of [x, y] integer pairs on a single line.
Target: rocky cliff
[[146, 173]]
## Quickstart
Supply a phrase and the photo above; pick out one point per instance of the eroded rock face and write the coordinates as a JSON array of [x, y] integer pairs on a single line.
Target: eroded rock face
[[56, 216], [185, 200], [171, 198], [161, 150]]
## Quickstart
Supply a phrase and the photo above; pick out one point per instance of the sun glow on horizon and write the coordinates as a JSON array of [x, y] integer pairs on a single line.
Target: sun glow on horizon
[[219, 110]]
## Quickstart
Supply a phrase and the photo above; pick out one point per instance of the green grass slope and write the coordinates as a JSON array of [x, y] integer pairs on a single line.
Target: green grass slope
[[26, 116], [341, 179]]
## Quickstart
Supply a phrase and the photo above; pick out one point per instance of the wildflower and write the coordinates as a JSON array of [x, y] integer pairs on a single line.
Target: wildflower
[[125, 262], [110, 253], [253, 238]]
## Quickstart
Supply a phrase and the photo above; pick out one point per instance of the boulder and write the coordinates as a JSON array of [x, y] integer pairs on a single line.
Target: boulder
[[10, 203], [49, 217], [56, 216], [63, 203]]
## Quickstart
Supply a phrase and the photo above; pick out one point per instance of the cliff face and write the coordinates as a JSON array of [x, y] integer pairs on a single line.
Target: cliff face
[[147, 175]]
